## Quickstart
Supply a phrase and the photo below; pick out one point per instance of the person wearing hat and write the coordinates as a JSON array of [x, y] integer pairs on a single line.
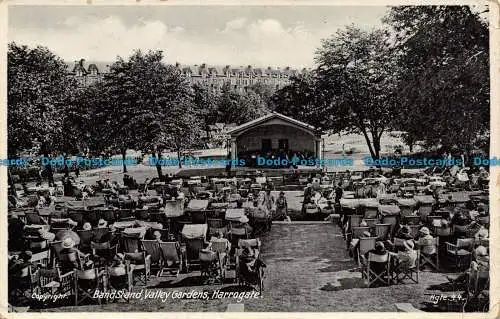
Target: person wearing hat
[[379, 249], [220, 239], [46, 235], [70, 256], [244, 223], [87, 226], [268, 200], [404, 233], [102, 223], [426, 242], [281, 206], [249, 265], [355, 242], [481, 263], [406, 258]]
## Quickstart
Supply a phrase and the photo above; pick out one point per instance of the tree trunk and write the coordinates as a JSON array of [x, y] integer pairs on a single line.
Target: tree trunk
[[179, 158], [66, 168], [369, 143], [124, 154], [48, 167], [158, 166]]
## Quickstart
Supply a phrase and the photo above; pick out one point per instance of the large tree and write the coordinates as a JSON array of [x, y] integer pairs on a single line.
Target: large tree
[[443, 86], [38, 92], [150, 105], [356, 83]]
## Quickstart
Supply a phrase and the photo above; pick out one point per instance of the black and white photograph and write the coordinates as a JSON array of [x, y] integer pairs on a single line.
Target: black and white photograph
[[249, 158]]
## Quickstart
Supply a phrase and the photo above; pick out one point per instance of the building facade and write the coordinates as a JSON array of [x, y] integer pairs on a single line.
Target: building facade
[[237, 78]]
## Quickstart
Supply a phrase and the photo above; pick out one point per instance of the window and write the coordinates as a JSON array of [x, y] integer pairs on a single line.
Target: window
[[266, 145]]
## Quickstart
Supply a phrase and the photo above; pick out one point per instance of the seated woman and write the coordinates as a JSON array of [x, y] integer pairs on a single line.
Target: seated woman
[[405, 259], [481, 263], [249, 265], [220, 239], [377, 267]]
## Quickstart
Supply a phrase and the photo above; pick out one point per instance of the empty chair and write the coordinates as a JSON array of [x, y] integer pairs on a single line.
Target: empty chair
[[461, 252], [194, 237], [118, 279], [383, 231], [124, 215], [429, 252], [172, 258]]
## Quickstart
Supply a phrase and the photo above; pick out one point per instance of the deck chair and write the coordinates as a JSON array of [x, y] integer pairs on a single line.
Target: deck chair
[[215, 225], [353, 221], [222, 251], [92, 217], [411, 220], [400, 272], [209, 266], [32, 218], [172, 258], [99, 234], [383, 231], [371, 222], [118, 279], [370, 212], [77, 216], [41, 258], [430, 259], [398, 244], [477, 285], [51, 281], [108, 215], [55, 248], [365, 245], [237, 233], [130, 243], [24, 284], [139, 266], [198, 217], [357, 232], [460, 252], [103, 253], [86, 237], [124, 215], [424, 210], [414, 229], [152, 248], [87, 282], [141, 214], [368, 272]]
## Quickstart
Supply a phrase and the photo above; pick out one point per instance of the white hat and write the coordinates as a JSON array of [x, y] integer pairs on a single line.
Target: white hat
[[102, 223], [68, 243], [243, 219], [87, 226], [425, 231], [481, 251]]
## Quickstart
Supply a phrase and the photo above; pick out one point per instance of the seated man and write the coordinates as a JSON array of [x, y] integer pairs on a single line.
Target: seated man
[[249, 265], [379, 249], [70, 256]]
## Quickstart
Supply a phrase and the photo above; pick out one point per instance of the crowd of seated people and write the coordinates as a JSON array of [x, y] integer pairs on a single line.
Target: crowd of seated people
[[116, 238]]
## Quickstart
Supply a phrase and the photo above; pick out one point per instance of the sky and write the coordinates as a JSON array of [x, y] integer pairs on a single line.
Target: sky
[[261, 36]]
